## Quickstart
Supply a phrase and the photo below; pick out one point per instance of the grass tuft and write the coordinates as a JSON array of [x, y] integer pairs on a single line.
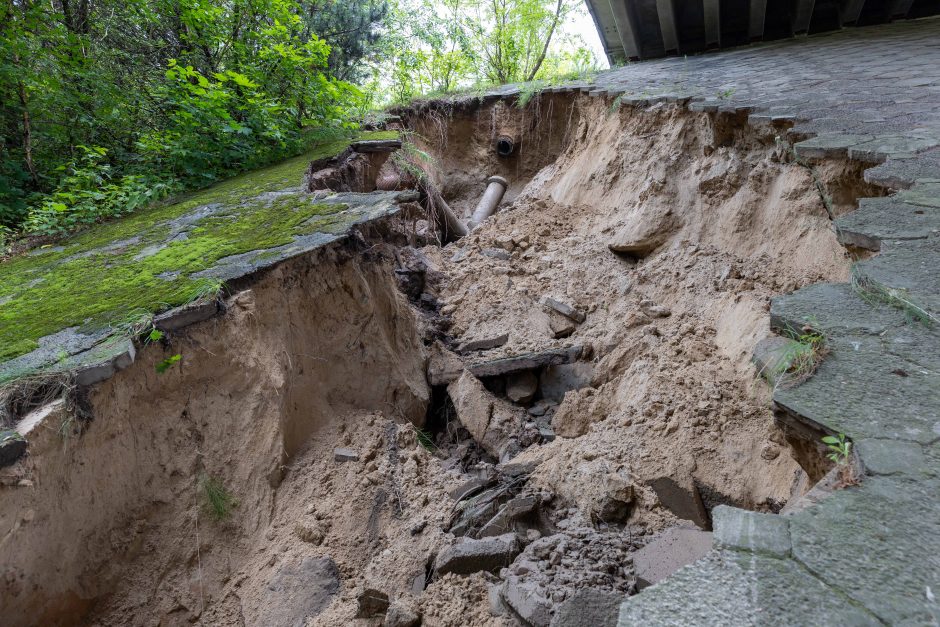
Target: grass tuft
[[873, 292], [217, 500]]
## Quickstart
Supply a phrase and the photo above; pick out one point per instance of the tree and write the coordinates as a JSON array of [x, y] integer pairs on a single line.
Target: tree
[[353, 31]]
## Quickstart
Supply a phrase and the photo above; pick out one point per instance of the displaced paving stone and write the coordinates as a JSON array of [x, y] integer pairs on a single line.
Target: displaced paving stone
[[880, 219], [522, 386], [372, 602], [470, 556], [377, 145], [345, 455], [564, 309], [514, 510], [297, 591], [469, 488], [559, 326], [485, 343], [589, 608], [734, 588], [12, 447], [531, 361], [492, 422], [751, 531], [829, 146], [891, 457], [668, 552], [681, 497]]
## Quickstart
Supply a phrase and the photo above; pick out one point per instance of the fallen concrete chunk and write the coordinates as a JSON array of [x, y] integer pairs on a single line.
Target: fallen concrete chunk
[[559, 326], [492, 422], [443, 366], [681, 497], [469, 556], [345, 455], [526, 598], [372, 602], [469, 488], [514, 510], [669, 552], [564, 309], [589, 608], [521, 387], [483, 344], [531, 361]]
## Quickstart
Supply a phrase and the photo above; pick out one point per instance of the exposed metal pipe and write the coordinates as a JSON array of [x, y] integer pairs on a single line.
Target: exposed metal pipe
[[451, 226], [495, 188]]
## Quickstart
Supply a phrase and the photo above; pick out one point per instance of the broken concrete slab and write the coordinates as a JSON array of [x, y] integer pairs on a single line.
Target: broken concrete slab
[[469, 488], [468, 556], [530, 361], [668, 552], [182, 317], [514, 510], [296, 592], [564, 309], [559, 326], [522, 386], [751, 531], [345, 455], [483, 344], [680, 496]]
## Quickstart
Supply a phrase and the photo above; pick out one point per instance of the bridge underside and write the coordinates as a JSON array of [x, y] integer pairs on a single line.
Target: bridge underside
[[644, 29]]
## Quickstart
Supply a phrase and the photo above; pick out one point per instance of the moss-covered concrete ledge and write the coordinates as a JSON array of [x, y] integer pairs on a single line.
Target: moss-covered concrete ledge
[[73, 306]]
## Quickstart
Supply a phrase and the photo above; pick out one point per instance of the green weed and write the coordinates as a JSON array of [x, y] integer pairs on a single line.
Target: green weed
[[217, 500], [167, 363], [839, 448], [873, 292]]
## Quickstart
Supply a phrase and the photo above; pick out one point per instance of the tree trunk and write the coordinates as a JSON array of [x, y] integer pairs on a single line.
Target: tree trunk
[[548, 40]]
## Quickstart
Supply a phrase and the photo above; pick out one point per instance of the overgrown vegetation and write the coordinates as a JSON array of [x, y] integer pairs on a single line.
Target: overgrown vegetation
[[838, 447], [106, 106], [873, 292], [217, 501]]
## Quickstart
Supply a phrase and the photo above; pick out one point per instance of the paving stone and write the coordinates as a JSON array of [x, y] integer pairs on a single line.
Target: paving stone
[[902, 173], [829, 145], [485, 343], [892, 457], [751, 531], [187, 315], [880, 219], [881, 148], [879, 544], [564, 309], [734, 588], [926, 194], [680, 496], [911, 266]]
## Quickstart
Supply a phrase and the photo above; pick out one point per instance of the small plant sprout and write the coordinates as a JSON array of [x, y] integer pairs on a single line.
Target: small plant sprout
[[167, 363], [726, 94], [155, 335], [839, 448], [217, 500]]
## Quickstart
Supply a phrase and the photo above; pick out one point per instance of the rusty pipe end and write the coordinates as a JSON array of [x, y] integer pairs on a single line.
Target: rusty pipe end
[[505, 145]]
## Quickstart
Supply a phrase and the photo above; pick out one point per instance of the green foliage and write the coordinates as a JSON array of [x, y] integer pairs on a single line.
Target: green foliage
[[873, 291], [155, 335], [168, 363], [217, 501], [839, 448], [107, 106], [801, 357]]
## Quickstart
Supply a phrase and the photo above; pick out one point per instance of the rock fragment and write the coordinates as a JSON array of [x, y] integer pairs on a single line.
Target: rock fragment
[[12, 447], [530, 361], [484, 344], [681, 497], [559, 326], [527, 600], [296, 592], [469, 556], [589, 607], [401, 615], [345, 455], [653, 310], [521, 387], [372, 602], [564, 309], [443, 366]]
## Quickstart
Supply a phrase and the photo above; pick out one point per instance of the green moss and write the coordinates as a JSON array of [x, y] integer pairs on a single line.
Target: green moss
[[132, 266]]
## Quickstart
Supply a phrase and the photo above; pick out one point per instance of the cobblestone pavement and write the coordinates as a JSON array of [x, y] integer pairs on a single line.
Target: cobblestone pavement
[[869, 554]]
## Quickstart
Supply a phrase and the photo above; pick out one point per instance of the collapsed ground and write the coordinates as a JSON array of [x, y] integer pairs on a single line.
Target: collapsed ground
[[365, 407]]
